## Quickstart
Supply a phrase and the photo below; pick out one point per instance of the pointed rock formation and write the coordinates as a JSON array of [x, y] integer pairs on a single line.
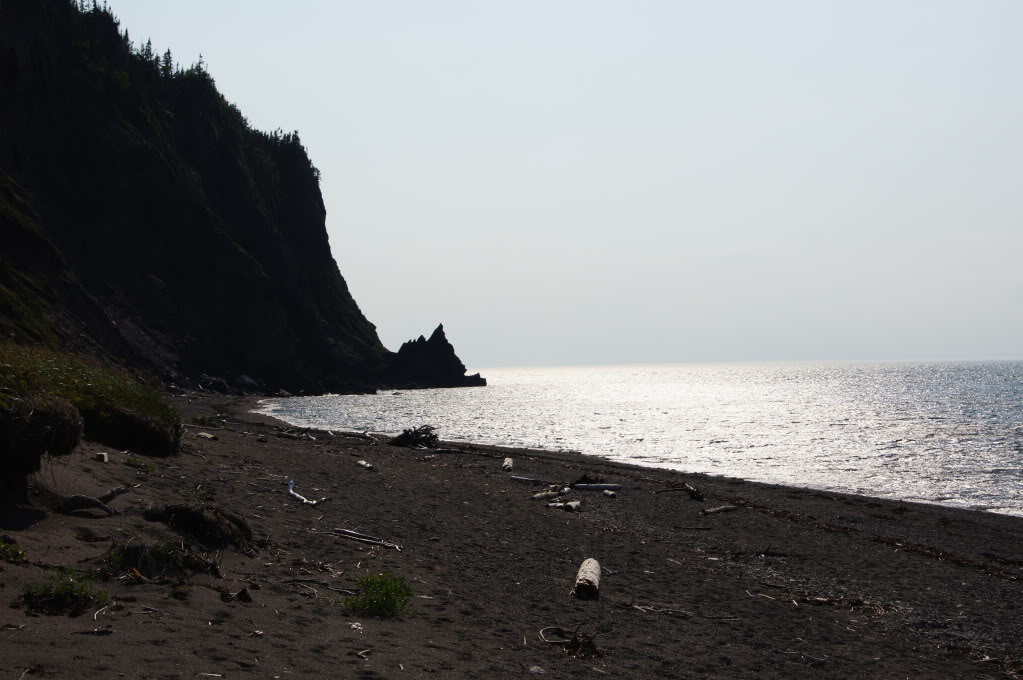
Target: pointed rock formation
[[431, 363]]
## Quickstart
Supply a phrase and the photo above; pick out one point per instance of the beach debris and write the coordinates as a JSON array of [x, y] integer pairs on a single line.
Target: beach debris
[[76, 503], [357, 626], [610, 494], [723, 508], [303, 499], [530, 480], [597, 487], [587, 580], [694, 493], [570, 506], [364, 464], [543, 495], [507, 465], [102, 457], [424, 436], [579, 646], [364, 538], [537, 670], [207, 435]]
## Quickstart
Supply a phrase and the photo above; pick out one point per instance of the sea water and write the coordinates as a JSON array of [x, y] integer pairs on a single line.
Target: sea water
[[948, 433]]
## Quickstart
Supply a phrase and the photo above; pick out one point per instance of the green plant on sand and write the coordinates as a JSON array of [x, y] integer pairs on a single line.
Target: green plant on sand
[[140, 465], [9, 552], [68, 591], [208, 421], [382, 596]]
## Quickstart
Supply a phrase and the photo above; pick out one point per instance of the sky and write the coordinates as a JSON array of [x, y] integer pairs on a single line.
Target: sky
[[643, 181]]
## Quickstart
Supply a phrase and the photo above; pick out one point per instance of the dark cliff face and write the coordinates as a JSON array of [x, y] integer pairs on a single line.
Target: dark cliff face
[[144, 220]]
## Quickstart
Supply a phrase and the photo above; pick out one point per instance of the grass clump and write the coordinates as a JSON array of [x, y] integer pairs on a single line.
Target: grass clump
[[68, 591], [9, 552], [140, 465], [416, 437], [208, 421], [119, 408], [383, 596]]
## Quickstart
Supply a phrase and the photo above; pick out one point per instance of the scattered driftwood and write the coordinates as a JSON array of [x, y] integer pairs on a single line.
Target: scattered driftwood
[[694, 493], [206, 435], [610, 494], [364, 464], [71, 504], [570, 506], [507, 465], [579, 646], [544, 495], [363, 538], [417, 437], [597, 487], [723, 508], [305, 501], [587, 580], [530, 480]]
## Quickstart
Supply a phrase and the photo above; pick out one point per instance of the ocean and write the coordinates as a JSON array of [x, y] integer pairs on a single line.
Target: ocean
[[949, 433]]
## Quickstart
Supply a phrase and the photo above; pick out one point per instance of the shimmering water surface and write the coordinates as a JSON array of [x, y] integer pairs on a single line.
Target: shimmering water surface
[[950, 433]]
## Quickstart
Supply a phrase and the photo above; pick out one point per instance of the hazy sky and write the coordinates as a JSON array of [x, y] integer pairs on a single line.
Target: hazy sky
[[650, 181]]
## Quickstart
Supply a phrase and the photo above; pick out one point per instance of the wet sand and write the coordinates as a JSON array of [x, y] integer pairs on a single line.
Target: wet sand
[[794, 583]]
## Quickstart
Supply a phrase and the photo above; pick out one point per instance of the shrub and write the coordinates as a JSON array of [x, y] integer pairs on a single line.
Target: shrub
[[9, 552], [383, 595], [424, 435], [68, 591], [120, 409]]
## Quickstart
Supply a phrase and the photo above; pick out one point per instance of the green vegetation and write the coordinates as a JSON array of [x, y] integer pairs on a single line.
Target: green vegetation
[[68, 591], [208, 421], [140, 465], [9, 552], [416, 437], [118, 407], [383, 596]]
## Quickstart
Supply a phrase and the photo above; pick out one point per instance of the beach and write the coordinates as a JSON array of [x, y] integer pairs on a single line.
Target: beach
[[787, 582]]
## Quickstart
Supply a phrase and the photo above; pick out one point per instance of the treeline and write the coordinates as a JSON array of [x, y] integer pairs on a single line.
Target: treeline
[[146, 65]]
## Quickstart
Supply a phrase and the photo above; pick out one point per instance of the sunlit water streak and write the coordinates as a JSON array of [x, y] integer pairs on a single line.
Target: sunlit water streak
[[950, 433]]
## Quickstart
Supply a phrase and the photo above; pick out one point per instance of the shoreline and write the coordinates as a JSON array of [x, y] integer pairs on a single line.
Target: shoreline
[[254, 402], [793, 583]]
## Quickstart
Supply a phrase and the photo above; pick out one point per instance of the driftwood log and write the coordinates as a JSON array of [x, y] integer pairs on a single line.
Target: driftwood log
[[570, 506], [507, 465], [723, 508], [70, 504], [587, 580]]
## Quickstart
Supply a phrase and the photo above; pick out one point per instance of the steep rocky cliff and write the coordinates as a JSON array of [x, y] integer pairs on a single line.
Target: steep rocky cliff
[[143, 219]]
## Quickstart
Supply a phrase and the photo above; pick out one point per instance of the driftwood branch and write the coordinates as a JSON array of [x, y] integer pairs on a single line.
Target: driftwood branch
[[303, 499], [587, 580], [70, 504], [363, 538]]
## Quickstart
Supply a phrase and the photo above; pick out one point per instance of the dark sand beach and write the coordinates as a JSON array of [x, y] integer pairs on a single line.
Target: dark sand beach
[[795, 583]]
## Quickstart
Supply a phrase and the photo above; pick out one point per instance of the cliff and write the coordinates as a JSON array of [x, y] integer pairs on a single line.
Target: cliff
[[145, 221]]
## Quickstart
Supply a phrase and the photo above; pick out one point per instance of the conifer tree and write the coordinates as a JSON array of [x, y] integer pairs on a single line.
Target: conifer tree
[[167, 65], [147, 50]]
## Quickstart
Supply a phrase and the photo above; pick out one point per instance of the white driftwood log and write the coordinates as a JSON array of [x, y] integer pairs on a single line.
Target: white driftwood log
[[610, 494], [597, 487], [587, 581], [365, 464], [542, 495], [298, 497], [723, 508], [570, 506], [507, 465]]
